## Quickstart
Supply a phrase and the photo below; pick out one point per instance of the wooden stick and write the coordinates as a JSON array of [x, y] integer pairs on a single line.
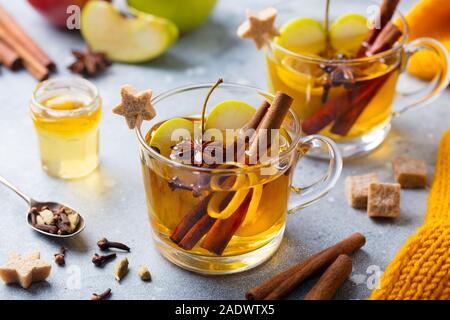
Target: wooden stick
[[39, 71], [9, 57], [346, 246], [331, 280], [16, 31]]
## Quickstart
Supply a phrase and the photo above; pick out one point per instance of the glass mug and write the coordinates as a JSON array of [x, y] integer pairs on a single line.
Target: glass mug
[[249, 236], [358, 119], [66, 114]]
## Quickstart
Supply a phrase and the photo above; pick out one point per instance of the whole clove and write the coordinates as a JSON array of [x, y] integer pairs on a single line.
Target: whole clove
[[104, 245], [101, 296], [60, 257], [99, 260]]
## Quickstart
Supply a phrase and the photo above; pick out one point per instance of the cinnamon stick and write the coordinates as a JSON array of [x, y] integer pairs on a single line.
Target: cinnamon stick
[[303, 269], [189, 220], [197, 232], [384, 15], [331, 280], [385, 40], [362, 96], [327, 113], [9, 57], [16, 32], [273, 119], [254, 122], [39, 71], [221, 232]]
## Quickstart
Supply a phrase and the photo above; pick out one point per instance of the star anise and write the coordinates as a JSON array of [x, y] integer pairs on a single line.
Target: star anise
[[199, 153], [89, 63]]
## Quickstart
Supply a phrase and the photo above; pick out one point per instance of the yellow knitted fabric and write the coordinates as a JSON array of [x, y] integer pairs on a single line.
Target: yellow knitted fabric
[[421, 269]]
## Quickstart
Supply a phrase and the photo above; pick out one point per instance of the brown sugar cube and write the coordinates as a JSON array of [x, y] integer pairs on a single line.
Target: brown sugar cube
[[383, 200], [410, 173], [357, 187]]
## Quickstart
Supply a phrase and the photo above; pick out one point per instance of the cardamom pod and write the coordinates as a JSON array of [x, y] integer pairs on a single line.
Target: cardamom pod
[[121, 269], [144, 273]]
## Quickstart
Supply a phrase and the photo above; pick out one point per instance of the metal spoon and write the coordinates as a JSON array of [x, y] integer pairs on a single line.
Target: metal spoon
[[52, 206]]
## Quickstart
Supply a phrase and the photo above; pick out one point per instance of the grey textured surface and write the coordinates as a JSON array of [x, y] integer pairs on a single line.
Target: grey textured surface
[[112, 198]]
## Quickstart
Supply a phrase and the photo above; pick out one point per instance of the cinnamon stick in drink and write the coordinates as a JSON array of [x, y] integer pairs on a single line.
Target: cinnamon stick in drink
[[331, 280], [189, 220], [284, 282], [385, 40], [223, 230], [273, 119], [30, 62], [9, 57], [384, 15], [16, 32]]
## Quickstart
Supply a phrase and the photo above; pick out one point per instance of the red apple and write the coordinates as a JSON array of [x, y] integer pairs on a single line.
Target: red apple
[[55, 11]]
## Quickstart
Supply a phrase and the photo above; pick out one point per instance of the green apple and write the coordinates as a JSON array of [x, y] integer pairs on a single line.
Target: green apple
[[302, 35], [348, 32], [124, 39], [229, 114], [163, 139], [186, 14]]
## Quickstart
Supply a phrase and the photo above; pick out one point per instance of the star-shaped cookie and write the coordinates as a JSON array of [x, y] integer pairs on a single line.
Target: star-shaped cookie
[[25, 271], [259, 26], [135, 106]]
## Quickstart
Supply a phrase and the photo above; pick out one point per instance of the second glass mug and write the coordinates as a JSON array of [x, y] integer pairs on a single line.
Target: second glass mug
[[299, 75], [252, 240]]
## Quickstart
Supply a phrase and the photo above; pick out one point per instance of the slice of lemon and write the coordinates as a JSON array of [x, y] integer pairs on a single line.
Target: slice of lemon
[[169, 134], [124, 39], [348, 32], [302, 35]]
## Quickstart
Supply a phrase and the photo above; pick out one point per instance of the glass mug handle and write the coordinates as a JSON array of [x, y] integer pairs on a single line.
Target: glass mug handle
[[439, 83], [315, 191]]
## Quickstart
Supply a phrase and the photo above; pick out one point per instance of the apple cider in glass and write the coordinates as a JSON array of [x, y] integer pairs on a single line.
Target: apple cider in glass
[[66, 113], [260, 203]]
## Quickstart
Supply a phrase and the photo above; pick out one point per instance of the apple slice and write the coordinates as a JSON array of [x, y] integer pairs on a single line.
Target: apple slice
[[302, 35], [169, 133], [123, 39], [229, 114], [348, 32]]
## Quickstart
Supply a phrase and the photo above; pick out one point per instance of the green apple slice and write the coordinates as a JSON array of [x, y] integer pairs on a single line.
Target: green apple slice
[[123, 39], [229, 114], [348, 32], [169, 134], [302, 35]]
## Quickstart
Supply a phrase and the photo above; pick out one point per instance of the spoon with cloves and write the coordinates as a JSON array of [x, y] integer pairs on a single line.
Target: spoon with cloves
[[50, 218]]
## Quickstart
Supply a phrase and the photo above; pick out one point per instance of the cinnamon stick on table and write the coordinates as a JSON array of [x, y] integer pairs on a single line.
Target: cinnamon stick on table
[[284, 282], [16, 32], [331, 280], [38, 70], [8, 57]]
